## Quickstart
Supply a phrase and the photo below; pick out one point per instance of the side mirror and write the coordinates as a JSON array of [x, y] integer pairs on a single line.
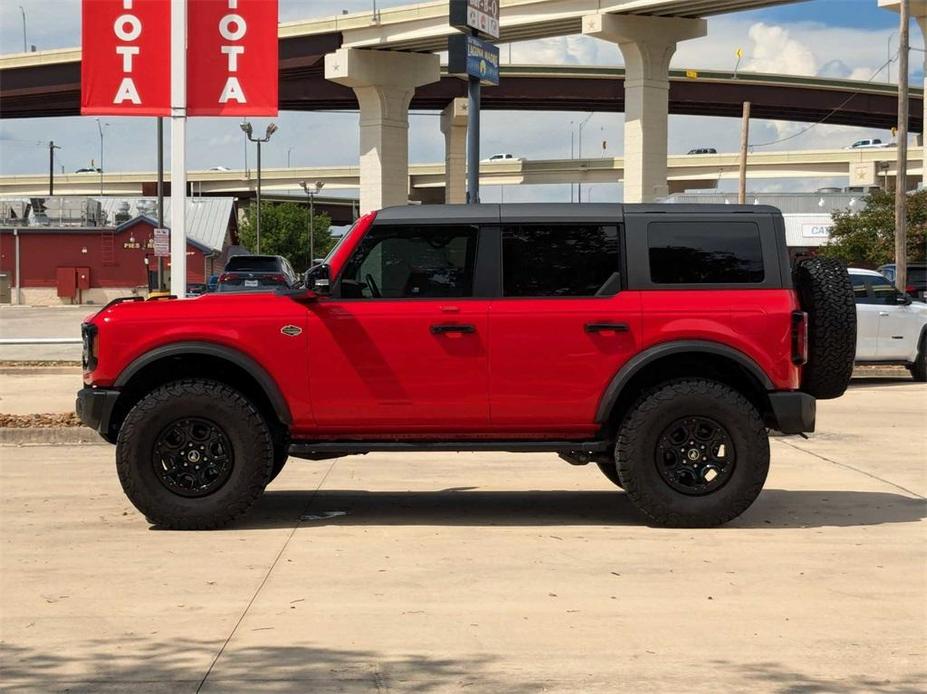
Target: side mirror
[[318, 280], [903, 299]]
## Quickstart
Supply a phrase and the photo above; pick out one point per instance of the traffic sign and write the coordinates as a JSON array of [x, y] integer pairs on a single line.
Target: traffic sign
[[468, 55], [478, 15]]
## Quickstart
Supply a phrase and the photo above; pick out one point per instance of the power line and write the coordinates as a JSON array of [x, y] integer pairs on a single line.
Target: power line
[[835, 110]]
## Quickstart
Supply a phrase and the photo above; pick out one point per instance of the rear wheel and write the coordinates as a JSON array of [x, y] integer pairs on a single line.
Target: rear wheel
[[194, 454], [692, 453], [610, 470]]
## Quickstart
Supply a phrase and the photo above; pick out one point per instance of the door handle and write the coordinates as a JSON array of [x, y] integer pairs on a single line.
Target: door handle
[[883, 313], [447, 328], [605, 327]]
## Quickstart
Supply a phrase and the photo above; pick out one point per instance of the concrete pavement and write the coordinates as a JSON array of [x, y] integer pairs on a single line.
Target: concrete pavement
[[493, 571]]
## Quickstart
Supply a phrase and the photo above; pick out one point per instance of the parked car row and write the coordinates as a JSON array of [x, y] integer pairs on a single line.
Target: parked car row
[[891, 328]]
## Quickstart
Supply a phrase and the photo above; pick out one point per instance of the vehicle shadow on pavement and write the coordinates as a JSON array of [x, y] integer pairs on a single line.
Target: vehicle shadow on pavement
[[179, 665], [776, 508]]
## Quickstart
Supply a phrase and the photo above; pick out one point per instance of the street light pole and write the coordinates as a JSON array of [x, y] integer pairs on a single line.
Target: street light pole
[[258, 242], [579, 185], [249, 133], [51, 167], [312, 192], [25, 45], [888, 57], [100, 128]]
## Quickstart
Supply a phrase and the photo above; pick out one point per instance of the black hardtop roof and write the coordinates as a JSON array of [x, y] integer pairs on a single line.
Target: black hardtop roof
[[553, 212]]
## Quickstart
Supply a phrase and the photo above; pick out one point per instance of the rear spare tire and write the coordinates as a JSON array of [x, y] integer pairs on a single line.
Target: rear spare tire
[[826, 295]]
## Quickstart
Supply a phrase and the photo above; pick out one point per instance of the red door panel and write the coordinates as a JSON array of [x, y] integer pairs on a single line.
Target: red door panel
[[548, 371], [386, 367]]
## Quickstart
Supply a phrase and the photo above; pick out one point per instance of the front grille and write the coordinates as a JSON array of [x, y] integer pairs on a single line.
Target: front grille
[[88, 359]]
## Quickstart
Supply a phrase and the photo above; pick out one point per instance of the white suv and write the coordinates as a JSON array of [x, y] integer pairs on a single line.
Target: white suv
[[890, 329]]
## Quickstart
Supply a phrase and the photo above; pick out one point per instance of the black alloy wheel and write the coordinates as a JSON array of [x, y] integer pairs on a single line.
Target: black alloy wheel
[[193, 457], [695, 455]]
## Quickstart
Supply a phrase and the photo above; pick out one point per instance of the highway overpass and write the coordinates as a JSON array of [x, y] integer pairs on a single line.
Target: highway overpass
[[427, 181], [327, 62]]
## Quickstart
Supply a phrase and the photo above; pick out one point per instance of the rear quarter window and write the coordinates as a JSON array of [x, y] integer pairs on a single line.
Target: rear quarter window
[[721, 252]]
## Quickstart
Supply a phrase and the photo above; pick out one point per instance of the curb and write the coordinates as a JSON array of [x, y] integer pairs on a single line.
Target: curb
[[49, 436]]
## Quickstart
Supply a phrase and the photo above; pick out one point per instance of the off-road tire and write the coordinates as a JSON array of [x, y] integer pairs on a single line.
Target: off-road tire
[[919, 367], [234, 415], [610, 471], [281, 455], [638, 436], [826, 294]]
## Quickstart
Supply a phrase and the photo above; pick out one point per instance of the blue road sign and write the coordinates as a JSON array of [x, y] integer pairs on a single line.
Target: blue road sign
[[468, 55]]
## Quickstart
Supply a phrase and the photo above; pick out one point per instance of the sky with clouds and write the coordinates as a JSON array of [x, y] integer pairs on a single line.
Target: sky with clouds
[[835, 38]]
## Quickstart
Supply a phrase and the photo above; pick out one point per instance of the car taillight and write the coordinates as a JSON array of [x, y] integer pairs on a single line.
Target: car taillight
[[225, 277], [799, 338], [278, 278], [910, 289]]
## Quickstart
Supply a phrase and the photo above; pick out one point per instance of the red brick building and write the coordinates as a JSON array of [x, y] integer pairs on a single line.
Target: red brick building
[[95, 264]]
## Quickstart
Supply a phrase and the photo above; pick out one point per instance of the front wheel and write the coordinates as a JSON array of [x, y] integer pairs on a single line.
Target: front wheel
[[194, 455], [692, 453]]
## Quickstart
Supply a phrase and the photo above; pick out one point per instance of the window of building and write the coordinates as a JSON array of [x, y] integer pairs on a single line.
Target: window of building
[[705, 253], [560, 260], [412, 262]]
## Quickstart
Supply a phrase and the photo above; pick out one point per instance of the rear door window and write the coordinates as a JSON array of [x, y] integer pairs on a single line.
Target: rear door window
[[705, 253], [560, 260]]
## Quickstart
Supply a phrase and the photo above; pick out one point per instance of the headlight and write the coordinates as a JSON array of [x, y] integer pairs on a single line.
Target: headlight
[[88, 333]]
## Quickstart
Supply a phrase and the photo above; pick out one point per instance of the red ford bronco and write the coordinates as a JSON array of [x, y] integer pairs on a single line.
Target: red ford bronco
[[660, 342]]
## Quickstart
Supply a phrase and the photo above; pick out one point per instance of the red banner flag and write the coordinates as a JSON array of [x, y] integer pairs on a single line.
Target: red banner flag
[[125, 62], [232, 58]]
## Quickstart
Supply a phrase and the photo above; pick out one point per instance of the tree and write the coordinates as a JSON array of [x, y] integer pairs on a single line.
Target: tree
[[867, 238], [284, 231]]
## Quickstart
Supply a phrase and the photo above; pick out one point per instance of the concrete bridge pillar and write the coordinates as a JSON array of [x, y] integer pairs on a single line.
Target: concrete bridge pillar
[[384, 82], [454, 127], [648, 45]]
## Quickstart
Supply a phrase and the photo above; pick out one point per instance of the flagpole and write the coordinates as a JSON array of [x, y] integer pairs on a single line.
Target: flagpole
[[178, 148]]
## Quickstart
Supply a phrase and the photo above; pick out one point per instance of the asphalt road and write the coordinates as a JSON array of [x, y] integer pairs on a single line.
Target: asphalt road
[[494, 572]]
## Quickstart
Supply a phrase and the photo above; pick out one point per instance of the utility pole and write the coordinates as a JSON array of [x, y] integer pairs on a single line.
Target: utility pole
[[744, 144], [901, 175], [51, 167]]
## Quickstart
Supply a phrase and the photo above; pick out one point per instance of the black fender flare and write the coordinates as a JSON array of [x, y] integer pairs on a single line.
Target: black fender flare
[[210, 349], [664, 349]]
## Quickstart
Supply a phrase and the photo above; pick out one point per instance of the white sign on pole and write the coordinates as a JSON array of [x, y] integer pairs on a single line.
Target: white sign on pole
[[161, 243]]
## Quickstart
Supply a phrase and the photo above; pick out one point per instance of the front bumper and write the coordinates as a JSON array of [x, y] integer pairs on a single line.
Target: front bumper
[[793, 412], [94, 408]]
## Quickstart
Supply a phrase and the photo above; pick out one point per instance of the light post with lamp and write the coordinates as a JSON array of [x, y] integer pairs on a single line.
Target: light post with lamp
[[312, 191], [100, 127], [249, 133]]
